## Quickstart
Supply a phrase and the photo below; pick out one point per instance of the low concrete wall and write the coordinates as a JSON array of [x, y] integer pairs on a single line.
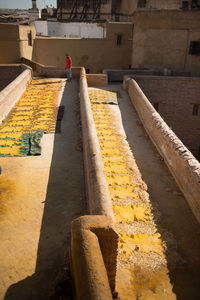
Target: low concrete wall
[[8, 73], [11, 94], [182, 164], [98, 196], [175, 98], [97, 80], [94, 257], [118, 74], [50, 71]]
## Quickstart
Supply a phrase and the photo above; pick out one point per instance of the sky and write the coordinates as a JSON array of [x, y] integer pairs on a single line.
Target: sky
[[26, 3]]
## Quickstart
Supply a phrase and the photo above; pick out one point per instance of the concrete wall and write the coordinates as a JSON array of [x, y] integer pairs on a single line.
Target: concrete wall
[[80, 30], [128, 6], [160, 4], [162, 40], [182, 164], [97, 80], [176, 97], [93, 54], [14, 42], [8, 73], [13, 91]]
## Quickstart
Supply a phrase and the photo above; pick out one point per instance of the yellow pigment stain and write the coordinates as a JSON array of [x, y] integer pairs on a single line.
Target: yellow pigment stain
[[9, 143], [12, 129], [104, 131], [34, 111], [6, 189], [118, 180], [19, 123], [20, 118], [151, 285], [107, 138], [12, 135], [115, 168], [132, 213], [140, 242], [114, 159], [109, 144], [110, 152], [20, 114], [12, 151], [122, 192]]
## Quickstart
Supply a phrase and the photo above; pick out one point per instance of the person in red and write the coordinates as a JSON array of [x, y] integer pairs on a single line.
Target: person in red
[[68, 67]]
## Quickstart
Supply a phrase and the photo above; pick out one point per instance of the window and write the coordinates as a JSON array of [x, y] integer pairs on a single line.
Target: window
[[185, 4], [116, 18], [195, 4], [119, 39], [195, 109], [141, 3], [194, 48], [156, 105], [29, 36]]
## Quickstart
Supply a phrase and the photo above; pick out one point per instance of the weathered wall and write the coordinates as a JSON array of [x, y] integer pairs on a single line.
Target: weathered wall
[[162, 39], [93, 54], [160, 4], [182, 164], [9, 44], [70, 29], [128, 6], [14, 42], [26, 50], [97, 80], [175, 98], [8, 73], [13, 91]]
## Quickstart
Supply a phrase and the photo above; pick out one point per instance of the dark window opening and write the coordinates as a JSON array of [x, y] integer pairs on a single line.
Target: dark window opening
[[29, 35], [194, 48], [88, 71], [119, 39], [185, 4], [195, 4], [116, 18], [195, 109], [156, 105], [141, 3]]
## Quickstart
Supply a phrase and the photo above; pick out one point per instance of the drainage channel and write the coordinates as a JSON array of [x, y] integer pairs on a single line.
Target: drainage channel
[[144, 257]]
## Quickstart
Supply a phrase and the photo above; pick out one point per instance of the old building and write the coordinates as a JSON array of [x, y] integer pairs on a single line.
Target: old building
[[167, 39], [16, 41], [114, 10]]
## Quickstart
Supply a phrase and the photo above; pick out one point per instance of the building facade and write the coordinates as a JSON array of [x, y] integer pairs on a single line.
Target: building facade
[[167, 39]]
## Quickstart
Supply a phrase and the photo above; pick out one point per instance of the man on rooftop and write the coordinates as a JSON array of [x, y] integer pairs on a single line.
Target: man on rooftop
[[68, 67]]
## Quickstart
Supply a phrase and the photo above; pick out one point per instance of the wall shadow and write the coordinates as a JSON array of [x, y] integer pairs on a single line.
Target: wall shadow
[[174, 219], [65, 201]]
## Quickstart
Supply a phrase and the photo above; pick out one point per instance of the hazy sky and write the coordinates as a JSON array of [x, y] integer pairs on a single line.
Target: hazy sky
[[26, 3]]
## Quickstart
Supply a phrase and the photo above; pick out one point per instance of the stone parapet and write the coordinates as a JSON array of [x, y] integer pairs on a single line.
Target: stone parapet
[[97, 80], [98, 196], [12, 93], [94, 256], [180, 161]]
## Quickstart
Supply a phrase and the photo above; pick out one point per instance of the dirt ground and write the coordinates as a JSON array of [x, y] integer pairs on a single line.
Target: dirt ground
[[40, 196]]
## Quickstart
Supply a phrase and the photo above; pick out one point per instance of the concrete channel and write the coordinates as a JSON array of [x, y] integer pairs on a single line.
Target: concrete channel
[[133, 234]]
